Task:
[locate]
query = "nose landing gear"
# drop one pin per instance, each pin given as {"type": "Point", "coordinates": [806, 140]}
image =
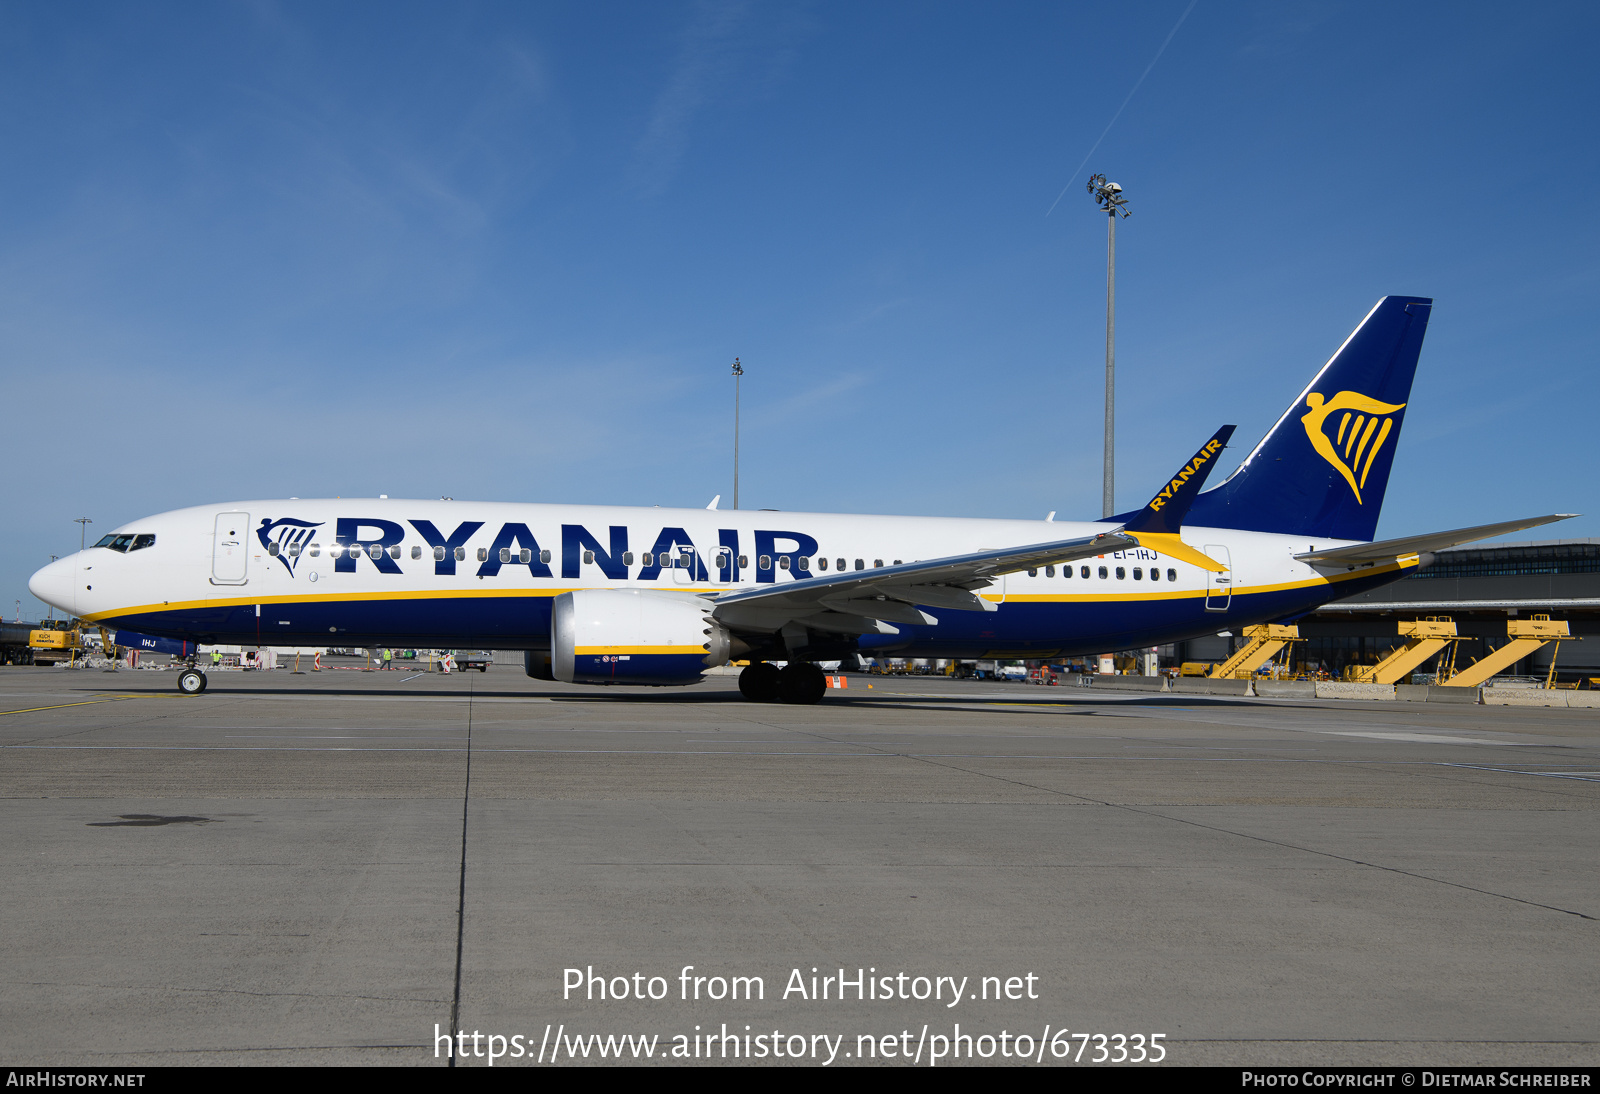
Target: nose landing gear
{"type": "Point", "coordinates": [191, 681]}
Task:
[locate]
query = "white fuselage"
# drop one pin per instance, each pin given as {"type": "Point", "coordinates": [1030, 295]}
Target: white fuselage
{"type": "Point", "coordinates": [296, 571]}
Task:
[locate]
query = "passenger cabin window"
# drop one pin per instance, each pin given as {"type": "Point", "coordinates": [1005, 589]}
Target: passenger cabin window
{"type": "Point", "coordinates": [1121, 573]}
{"type": "Point", "coordinates": [505, 554]}
{"type": "Point", "coordinates": [1155, 574]}
{"type": "Point", "coordinates": [627, 558]}
{"type": "Point", "coordinates": [316, 550]}
{"type": "Point", "coordinates": [648, 559]}
{"type": "Point", "coordinates": [1083, 571]}
{"type": "Point", "coordinates": [1103, 573]}
{"type": "Point", "coordinates": [394, 552]}
{"type": "Point", "coordinates": [877, 564]}
{"type": "Point", "coordinates": [1138, 574]}
{"type": "Point", "coordinates": [765, 562]}
{"type": "Point", "coordinates": [294, 550]}
{"type": "Point", "coordinates": [783, 562]}
{"type": "Point", "coordinates": [1049, 571]}
{"type": "Point", "coordinates": [1172, 575]}
{"type": "Point", "coordinates": [461, 554]}
{"type": "Point", "coordinates": [744, 562]}
{"type": "Point", "coordinates": [544, 556]}
{"type": "Point", "coordinates": [1033, 573]}
{"type": "Point", "coordinates": [525, 556]}
{"type": "Point", "coordinates": [822, 564]}
{"type": "Point", "coordinates": [438, 554]}
{"type": "Point", "coordinates": [272, 549]}
{"type": "Point", "coordinates": [802, 563]}
{"type": "Point", "coordinates": [588, 558]}
{"type": "Point", "coordinates": [861, 564]}
{"type": "Point", "coordinates": [416, 552]}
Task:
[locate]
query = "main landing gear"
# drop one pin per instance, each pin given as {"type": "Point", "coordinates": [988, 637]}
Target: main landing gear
{"type": "Point", "coordinates": [798, 682]}
{"type": "Point", "coordinates": [191, 681]}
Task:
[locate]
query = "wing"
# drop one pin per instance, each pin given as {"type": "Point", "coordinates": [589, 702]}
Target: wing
{"type": "Point", "coordinates": [1385, 549]}
{"type": "Point", "coordinates": [860, 601]}
{"type": "Point", "coordinates": [867, 601]}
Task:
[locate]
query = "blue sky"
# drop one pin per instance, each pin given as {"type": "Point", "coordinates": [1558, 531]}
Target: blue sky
{"type": "Point", "coordinates": [508, 251]}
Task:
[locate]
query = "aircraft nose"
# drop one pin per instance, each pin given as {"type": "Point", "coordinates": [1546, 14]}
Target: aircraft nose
{"type": "Point", "coordinates": [56, 584]}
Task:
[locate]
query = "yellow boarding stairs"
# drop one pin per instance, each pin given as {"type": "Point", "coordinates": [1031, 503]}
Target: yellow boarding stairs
{"type": "Point", "coordinates": [1265, 642]}
{"type": "Point", "coordinates": [1527, 635]}
{"type": "Point", "coordinates": [1425, 638]}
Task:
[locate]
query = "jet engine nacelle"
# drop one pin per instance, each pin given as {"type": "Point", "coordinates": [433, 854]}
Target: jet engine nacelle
{"type": "Point", "coordinates": [623, 636]}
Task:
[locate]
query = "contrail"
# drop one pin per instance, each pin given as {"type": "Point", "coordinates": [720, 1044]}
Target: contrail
{"type": "Point", "coordinates": [1124, 105]}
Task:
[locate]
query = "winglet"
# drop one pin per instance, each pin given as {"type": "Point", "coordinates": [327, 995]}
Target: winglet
{"type": "Point", "coordinates": [1157, 525]}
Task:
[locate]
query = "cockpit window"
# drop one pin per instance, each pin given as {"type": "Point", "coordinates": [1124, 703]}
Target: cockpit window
{"type": "Point", "coordinates": [126, 541]}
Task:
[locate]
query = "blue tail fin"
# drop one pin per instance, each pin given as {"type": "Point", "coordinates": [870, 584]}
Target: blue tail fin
{"type": "Point", "coordinates": [1322, 469]}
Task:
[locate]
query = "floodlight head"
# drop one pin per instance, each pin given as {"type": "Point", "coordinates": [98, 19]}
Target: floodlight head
{"type": "Point", "coordinates": [1108, 195]}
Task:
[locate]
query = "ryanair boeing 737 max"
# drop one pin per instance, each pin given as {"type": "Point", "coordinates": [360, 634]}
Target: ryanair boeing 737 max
{"type": "Point", "coordinates": [603, 595]}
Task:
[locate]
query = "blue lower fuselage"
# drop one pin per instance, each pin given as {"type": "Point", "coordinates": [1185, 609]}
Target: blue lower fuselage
{"type": "Point", "coordinates": [1021, 628]}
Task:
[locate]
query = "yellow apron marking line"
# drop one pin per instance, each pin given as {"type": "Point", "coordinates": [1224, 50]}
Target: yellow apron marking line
{"type": "Point", "coordinates": [85, 703]}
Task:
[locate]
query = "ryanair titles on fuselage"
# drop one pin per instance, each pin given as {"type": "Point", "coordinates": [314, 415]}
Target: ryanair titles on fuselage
{"type": "Point", "coordinates": [379, 540]}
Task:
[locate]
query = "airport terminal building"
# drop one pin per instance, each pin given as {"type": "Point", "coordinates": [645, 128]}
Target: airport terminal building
{"type": "Point", "coordinates": [1481, 588]}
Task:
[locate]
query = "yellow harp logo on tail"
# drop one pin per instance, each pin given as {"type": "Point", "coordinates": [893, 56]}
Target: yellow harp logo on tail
{"type": "Point", "coordinates": [1363, 427]}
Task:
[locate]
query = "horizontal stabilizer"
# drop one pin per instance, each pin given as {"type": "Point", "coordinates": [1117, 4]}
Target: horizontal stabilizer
{"type": "Point", "coordinates": [1386, 549]}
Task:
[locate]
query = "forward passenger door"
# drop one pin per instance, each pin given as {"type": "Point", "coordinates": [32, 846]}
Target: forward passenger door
{"type": "Point", "coordinates": [230, 551]}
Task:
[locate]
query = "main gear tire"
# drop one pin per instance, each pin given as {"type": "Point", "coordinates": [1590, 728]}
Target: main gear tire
{"type": "Point", "coordinates": [759, 682]}
{"type": "Point", "coordinates": [801, 683]}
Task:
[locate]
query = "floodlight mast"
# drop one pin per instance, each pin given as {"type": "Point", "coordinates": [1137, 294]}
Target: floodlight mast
{"type": "Point", "coordinates": [738, 371]}
{"type": "Point", "coordinates": [1108, 195]}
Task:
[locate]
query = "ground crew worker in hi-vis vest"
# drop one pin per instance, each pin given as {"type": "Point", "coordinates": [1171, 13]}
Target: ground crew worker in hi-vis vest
{"type": "Point", "coordinates": [387, 656]}
{"type": "Point", "coordinates": [216, 658]}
